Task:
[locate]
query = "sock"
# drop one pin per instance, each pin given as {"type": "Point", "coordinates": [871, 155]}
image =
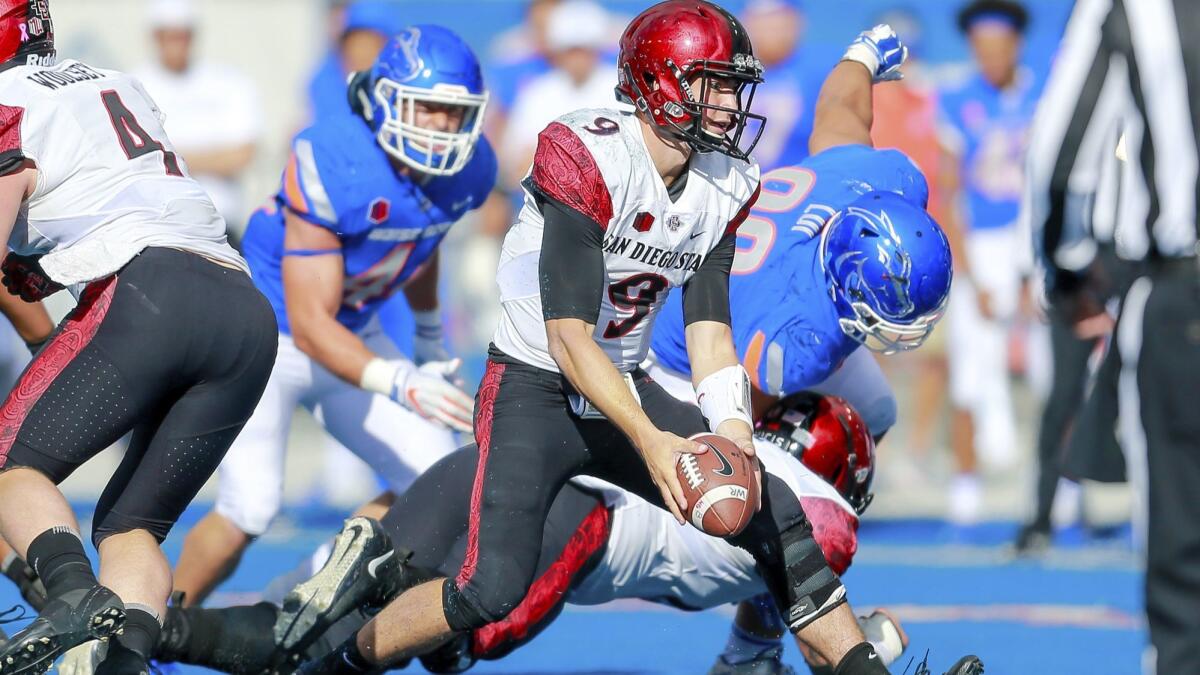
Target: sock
{"type": "Point", "coordinates": [141, 630]}
{"type": "Point", "coordinates": [345, 659]}
{"type": "Point", "coordinates": [821, 670]}
{"type": "Point", "coordinates": [231, 639]}
{"type": "Point", "coordinates": [58, 557]}
{"type": "Point", "coordinates": [861, 660]}
{"type": "Point", "coordinates": [743, 647]}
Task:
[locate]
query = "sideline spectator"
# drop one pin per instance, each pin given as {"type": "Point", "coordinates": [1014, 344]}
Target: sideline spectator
{"type": "Point", "coordinates": [213, 112]}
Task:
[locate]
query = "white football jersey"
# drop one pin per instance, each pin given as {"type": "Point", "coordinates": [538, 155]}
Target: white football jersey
{"type": "Point", "coordinates": [596, 161]}
{"type": "Point", "coordinates": [652, 557]}
{"type": "Point", "coordinates": [109, 183]}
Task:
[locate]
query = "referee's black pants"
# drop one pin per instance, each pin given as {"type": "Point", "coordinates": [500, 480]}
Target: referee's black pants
{"type": "Point", "coordinates": [1159, 339]}
{"type": "Point", "coordinates": [1070, 363]}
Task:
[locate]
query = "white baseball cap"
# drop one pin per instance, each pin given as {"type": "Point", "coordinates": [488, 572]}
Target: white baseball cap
{"type": "Point", "coordinates": [577, 24]}
{"type": "Point", "coordinates": [171, 14]}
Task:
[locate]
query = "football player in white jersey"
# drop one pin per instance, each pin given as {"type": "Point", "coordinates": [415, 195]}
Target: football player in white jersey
{"type": "Point", "coordinates": [620, 208]}
{"type": "Point", "coordinates": [601, 543]}
{"type": "Point", "coordinates": [169, 340]}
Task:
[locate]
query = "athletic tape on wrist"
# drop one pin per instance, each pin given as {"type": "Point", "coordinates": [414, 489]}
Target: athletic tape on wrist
{"type": "Point", "coordinates": [380, 376]}
{"type": "Point", "coordinates": [725, 395]}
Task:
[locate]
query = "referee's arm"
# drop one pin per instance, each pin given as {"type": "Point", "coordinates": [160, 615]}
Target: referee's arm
{"type": "Point", "coordinates": [1082, 101]}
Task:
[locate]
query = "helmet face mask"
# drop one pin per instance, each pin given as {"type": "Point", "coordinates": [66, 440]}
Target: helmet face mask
{"type": "Point", "coordinates": [430, 151]}
{"type": "Point", "coordinates": [888, 267]}
{"type": "Point", "coordinates": [676, 57]}
{"type": "Point", "coordinates": [426, 67]}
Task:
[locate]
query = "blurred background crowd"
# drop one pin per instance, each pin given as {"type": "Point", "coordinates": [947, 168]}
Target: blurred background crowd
{"type": "Point", "coordinates": [979, 404]}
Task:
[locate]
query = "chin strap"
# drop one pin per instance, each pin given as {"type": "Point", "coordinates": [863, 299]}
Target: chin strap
{"type": "Point", "coordinates": [356, 93]}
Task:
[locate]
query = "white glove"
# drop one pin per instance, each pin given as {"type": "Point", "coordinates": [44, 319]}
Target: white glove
{"type": "Point", "coordinates": [428, 344]}
{"type": "Point", "coordinates": [428, 390]}
{"type": "Point", "coordinates": [83, 659]}
{"type": "Point", "coordinates": [885, 635]}
{"type": "Point", "coordinates": [881, 51]}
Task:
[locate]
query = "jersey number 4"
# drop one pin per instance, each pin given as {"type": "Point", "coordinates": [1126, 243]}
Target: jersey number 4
{"type": "Point", "coordinates": [133, 138]}
{"type": "Point", "coordinates": [636, 293]}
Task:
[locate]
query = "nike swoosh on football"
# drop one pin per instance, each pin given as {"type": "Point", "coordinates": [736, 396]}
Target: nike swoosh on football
{"type": "Point", "coordinates": [726, 468]}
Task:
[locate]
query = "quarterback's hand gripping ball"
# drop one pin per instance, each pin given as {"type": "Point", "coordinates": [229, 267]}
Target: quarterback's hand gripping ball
{"type": "Point", "coordinates": [720, 486]}
{"type": "Point", "coordinates": [881, 51]}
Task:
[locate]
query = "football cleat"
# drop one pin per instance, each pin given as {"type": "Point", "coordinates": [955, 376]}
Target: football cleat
{"type": "Point", "coordinates": [769, 662]}
{"type": "Point", "coordinates": [83, 659]}
{"type": "Point", "coordinates": [360, 572]}
{"type": "Point", "coordinates": [1033, 540]}
{"type": "Point", "coordinates": [94, 613]}
{"type": "Point", "coordinates": [123, 661]}
{"type": "Point", "coordinates": [967, 665]}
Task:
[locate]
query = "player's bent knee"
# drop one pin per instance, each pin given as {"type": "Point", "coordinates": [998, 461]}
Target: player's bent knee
{"type": "Point", "coordinates": [467, 609]}
{"type": "Point", "coordinates": [252, 519]}
{"type": "Point", "coordinates": [812, 588]}
{"type": "Point", "coordinates": [53, 469]}
{"type": "Point", "coordinates": [116, 523]}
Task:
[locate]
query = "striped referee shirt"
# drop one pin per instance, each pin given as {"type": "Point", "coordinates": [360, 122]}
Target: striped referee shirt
{"type": "Point", "coordinates": [1124, 67]}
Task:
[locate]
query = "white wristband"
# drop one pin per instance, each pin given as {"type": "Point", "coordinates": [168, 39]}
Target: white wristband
{"type": "Point", "coordinates": [725, 395]}
{"type": "Point", "coordinates": [380, 376]}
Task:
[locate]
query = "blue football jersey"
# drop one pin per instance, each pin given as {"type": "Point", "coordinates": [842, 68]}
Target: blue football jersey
{"type": "Point", "coordinates": [785, 326]}
{"type": "Point", "coordinates": [989, 128]}
{"type": "Point", "coordinates": [337, 177]}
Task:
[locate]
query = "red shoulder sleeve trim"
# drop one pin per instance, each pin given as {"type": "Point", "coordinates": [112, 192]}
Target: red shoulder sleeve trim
{"type": "Point", "coordinates": [564, 169]}
{"type": "Point", "coordinates": [745, 211]}
{"type": "Point", "coordinates": [10, 128]}
{"type": "Point", "coordinates": [834, 529]}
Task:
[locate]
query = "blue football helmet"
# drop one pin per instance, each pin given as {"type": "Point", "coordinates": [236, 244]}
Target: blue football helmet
{"type": "Point", "coordinates": [426, 64]}
{"type": "Point", "coordinates": [888, 267]}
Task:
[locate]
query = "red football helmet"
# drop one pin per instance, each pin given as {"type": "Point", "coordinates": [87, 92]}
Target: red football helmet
{"type": "Point", "coordinates": [828, 436]}
{"type": "Point", "coordinates": [25, 32]}
{"type": "Point", "coordinates": [674, 46]}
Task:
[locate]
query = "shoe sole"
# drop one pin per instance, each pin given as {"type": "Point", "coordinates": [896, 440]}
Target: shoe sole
{"type": "Point", "coordinates": [315, 604]}
{"type": "Point", "coordinates": [34, 655]}
{"type": "Point", "coordinates": [967, 665]}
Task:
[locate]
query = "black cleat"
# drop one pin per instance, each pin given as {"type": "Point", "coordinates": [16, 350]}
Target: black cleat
{"type": "Point", "coordinates": [967, 665]}
{"type": "Point", "coordinates": [1033, 540]}
{"type": "Point", "coordinates": [453, 657]}
{"type": "Point", "coordinates": [94, 613]}
{"type": "Point", "coordinates": [362, 572]}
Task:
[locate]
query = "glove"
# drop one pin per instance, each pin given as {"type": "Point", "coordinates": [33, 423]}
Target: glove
{"type": "Point", "coordinates": [885, 635]}
{"type": "Point", "coordinates": [24, 277]}
{"type": "Point", "coordinates": [427, 341]}
{"type": "Point", "coordinates": [427, 390]}
{"type": "Point", "coordinates": [881, 51]}
{"type": "Point", "coordinates": [430, 392]}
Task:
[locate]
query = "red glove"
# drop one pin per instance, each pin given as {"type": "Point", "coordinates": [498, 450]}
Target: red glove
{"type": "Point", "coordinates": [24, 277]}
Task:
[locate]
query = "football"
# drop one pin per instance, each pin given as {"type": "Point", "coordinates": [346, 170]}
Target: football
{"type": "Point", "coordinates": [719, 485]}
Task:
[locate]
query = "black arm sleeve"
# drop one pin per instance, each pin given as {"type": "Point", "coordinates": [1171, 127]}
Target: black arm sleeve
{"type": "Point", "coordinates": [571, 266]}
{"type": "Point", "coordinates": [706, 294]}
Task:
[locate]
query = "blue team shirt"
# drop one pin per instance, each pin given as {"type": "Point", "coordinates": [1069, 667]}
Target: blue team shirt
{"type": "Point", "coordinates": [989, 129]}
{"type": "Point", "coordinates": [785, 326]}
{"type": "Point", "coordinates": [389, 224]}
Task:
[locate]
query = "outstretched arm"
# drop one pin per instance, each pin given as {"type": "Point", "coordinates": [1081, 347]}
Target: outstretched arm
{"type": "Point", "coordinates": [843, 115]}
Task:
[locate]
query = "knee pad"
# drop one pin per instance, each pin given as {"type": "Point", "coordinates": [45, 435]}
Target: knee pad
{"type": "Point", "coordinates": [811, 589]}
{"type": "Point", "coordinates": [465, 610]}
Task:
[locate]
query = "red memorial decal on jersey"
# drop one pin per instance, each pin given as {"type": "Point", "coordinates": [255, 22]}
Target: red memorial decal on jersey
{"type": "Point", "coordinates": [565, 170]}
{"type": "Point", "coordinates": [75, 333]}
{"type": "Point", "coordinates": [488, 389]}
{"type": "Point", "coordinates": [379, 210]}
{"type": "Point", "coordinates": [548, 589]}
{"type": "Point", "coordinates": [834, 530]}
{"type": "Point", "coordinates": [643, 222]}
{"type": "Point", "coordinates": [745, 211]}
{"type": "Point", "coordinates": [10, 128]}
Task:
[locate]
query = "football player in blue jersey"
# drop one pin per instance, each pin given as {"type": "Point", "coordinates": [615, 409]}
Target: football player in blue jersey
{"type": "Point", "coordinates": [365, 200]}
{"type": "Point", "coordinates": [838, 259]}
